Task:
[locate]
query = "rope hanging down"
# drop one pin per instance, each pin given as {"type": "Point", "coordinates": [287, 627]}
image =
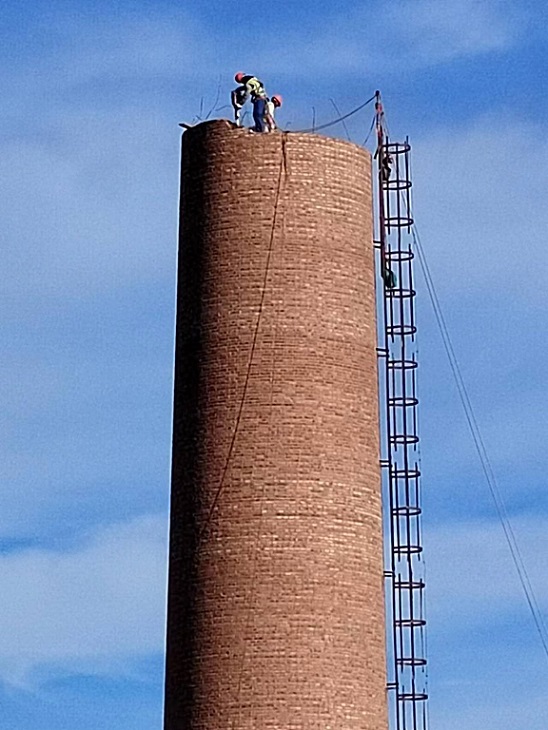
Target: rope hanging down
{"type": "Point", "coordinates": [481, 450]}
{"type": "Point", "coordinates": [477, 437]}
{"type": "Point", "coordinates": [283, 167]}
{"type": "Point", "coordinates": [340, 119]}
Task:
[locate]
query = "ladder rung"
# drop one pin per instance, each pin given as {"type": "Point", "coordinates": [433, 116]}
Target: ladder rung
{"type": "Point", "coordinates": [412, 696]}
{"type": "Point", "coordinates": [410, 623]}
{"type": "Point", "coordinates": [411, 661]}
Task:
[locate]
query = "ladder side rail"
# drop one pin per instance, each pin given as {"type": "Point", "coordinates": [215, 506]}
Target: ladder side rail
{"type": "Point", "coordinates": [387, 414]}
{"type": "Point", "coordinates": [403, 439]}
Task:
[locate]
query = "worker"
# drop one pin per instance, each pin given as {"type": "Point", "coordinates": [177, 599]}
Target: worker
{"type": "Point", "coordinates": [250, 87]}
{"type": "Point", "coordinates": [386, 166]}
{"type": "Point", "coordinates": [389, 277]}
{"type": "Point", "coordinates": [238, 98]}
{"type": "Point", "coordinates": [272, 104]}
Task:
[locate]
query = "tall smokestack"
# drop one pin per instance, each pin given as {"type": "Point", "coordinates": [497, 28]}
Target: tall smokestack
{"type": "Point", "coordinates": [276, 605]}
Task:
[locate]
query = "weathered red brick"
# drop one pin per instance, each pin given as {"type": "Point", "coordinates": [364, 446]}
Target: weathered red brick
{"type": "Point", "coordinates": [276, 614]}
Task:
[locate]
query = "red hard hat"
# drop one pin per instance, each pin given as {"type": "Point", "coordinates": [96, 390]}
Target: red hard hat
{"type": "Point", "coordinates": [277, 100]}
{"type": "Point", "coordinates": [239, 77]}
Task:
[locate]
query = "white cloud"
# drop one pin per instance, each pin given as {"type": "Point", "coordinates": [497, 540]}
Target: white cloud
{"type": "Point", "coordinates": [92, 215]}
{"type": "Point", "coordinates": [400, 34]}
{"type": "Point", "coordinates": [480, 205]}
{"type": "Point", "coordinates": [81, 48]}
{"type": "Point", "coordinates": [377, 37]}
{"type": "Point", "coordinates": [99, 607]}
{"type": "Point", "coordinates": [479, 193]}
{"type": "Point", "coordinates": [437, 31]}
{"type": "Point", "coordinates": [487, 664]}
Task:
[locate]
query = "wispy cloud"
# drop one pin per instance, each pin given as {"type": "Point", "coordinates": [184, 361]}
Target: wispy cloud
{"type": "Point", "coordinates": [479, 208]}
{"type": "Point", "coordinates": [74, 218]}
{"type": "Point", "coordinates": [401, 35]}
{"type": "Point", "coordinates": [86, 421]}
{"type": "Point", "coordinates": [487, 664]}
{"type": "Point", "coordinates": [435, 32]}
{"type": "Point", "coordinates": [98, 607]}
{"type": "Point", "coordinates": [81, 48]}
{"type": "Point", "coordinates": [480, 190]}
{"type": "Point", "coordinates": [367, 37]}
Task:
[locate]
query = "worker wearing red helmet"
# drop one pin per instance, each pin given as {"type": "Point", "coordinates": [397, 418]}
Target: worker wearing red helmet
{"type": "Point", "coordinates": [272, 104]}
{"type": "Point", "coordinates": [250, 88]}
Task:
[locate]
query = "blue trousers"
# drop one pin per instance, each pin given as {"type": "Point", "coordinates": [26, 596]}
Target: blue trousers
{"type": "Point", "coordinates": [259, 109]}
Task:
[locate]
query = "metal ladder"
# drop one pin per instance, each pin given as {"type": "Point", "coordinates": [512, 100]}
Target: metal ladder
{"type": "Point", "coordinates": [401, 463]}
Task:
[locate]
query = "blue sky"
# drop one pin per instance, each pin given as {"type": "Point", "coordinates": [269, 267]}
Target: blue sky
{"type": "Point", "coordinates": [89, 153]}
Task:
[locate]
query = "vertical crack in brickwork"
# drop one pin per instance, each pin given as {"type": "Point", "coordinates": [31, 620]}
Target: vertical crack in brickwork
{"type": "Point", "coordinates": [211, 511]}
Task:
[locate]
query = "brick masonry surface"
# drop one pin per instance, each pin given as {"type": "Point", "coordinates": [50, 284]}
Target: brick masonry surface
{"type": "Point", "coordinates": [276, 609]}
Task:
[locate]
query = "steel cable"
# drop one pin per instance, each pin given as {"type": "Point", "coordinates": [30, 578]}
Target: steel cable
{"type": "Point", "coordinates": [252, 350]}
{"type": "Point", "coordinates": [336, 121]}
{"type": "Point", "coordinates": [481, 449]}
